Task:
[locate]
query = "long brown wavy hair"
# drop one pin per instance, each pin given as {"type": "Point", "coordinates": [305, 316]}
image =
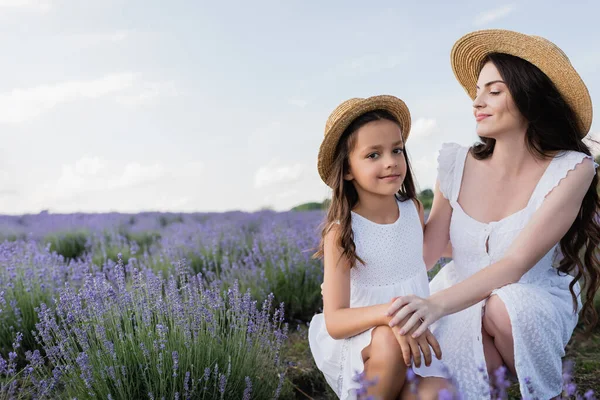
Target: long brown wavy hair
{"type": "Point", "coordinates": [344, 195]}
{"type": "Point", "coordinates": [553, 128]}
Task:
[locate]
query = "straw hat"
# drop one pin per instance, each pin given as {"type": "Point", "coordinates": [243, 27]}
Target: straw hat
{"type": "Point", "coordinates": [347, 112]}
{"type": "Point", "coordinates": [470, 50]}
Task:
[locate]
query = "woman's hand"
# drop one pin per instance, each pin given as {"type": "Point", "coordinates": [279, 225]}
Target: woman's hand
{"type": "Point", "coordinates": [416, 309]}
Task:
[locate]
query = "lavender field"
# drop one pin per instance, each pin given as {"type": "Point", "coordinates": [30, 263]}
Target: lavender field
{"type": "Point", "coordinates": [173, 306]}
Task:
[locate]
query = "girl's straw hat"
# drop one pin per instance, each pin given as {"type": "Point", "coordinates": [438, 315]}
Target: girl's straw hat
{"type": "Point", "coordinates": [470, 50]}
{"type": "Point", "coordinates": [347, 112]}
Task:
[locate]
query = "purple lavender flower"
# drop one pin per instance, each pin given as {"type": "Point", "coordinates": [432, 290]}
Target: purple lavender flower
{"type": "Point", "coordinates": [222, 383]}
{"type": "Point", "coordinates": [86, 370]}
{"type": "Point", "coordinates": [364, 385]}
{"type": "Point", "coordinates": [175, 356]}
{"type": "Point", "coordinates": [445, 394]}
{"type": "Point", "coordinates": [248, 389]}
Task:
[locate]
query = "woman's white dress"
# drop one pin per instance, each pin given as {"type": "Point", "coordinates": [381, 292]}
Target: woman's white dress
{"type": "Point", "coordinates": [540, 305]}
{"type": "Point", "coordinates": [394, 266]}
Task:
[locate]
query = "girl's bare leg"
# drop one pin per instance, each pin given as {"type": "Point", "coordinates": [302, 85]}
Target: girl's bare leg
{"type": "Point", "coordinates": [427, 389]}
{"type": "Point", "coordinates": [383, 361]}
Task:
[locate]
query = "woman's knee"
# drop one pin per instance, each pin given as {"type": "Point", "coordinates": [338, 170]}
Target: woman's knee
{"type": "Point", "coordinates": [496, 320]}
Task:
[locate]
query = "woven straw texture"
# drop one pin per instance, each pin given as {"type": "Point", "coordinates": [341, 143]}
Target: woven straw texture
{"type": "Point", "coordinates": [469, 52]}
{"type": "Point", "coordinates": [347, 112]}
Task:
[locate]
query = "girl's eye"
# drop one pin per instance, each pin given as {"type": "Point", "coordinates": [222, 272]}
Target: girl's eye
{"type": "Point", "coordinates": [399, 151]}
{"type": "Point", "coordinates": [373, 156]}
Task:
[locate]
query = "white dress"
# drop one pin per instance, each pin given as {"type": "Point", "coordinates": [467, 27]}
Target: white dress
{"type": "Point", "coordinates": [393, 254]}
{"type": "Point", "coordinates": [539, 305]}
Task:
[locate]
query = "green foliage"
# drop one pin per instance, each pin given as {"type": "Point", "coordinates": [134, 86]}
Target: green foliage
{"type": "Point", "coordinates": [22, 297]}
{"type": "Point", "coordinates": [167, 219]}
{"type": "Point", "coordinates": [426, 198]}
{"type": "Point", "coordinates": [308, 206]}
{"type": "Point", "coordinates": [70, 245]}
{"type": "Point", "coordinates": [143, 344]}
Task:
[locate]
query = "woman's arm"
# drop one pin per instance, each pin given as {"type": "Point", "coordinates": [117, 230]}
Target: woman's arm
{"type": "Point", "coordinates": [341, 320]}
{"type": "Point", "coordinates": [437, 229]}
{"type": "Point", "coordinates": [546, 228]}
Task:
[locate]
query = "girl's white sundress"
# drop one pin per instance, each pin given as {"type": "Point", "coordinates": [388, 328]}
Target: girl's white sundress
{"type": "Point", "coordinates": [394, 266]}
{"type": "Point", "coordinates": [539, 305]}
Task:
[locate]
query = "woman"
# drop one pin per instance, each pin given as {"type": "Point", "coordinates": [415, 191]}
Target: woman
{"type": "Point", "coordinates": [520, 211]}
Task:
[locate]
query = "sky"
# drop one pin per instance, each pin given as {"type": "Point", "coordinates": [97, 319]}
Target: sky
{"type": "Point", "coordinates": [147, 105]}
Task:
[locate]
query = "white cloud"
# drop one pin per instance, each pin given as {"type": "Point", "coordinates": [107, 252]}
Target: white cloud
{"type": "Point", "coordinates": [32, 5]}
{"type": "Point", "coordinates": [93, 183]}
{"type": "Point", "coordinates": [93, 39]}
{"type": "Point", "coordinates": [281, 195]}
{"type": "Point", "coordinates": [20, 105]}
{"type": "Point", "coordinates": [148, 93]}
{"type": "Point", "coordinates": [425, 170]}
{"type": "Point", "coordinates": [493, 15]}
{"type": "Point", "coordinates": [423, 127]}
{"type": "Point", "coordinates": [298, 102]}
{"type": "Point", "coordinates": [367, 64]}
{"type": "Point", "coordinates": [275, 173]}
{"type": "Point", "coordinates": [93, 173]}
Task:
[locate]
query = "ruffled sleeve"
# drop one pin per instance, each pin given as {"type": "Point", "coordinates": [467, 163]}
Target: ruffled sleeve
{"type": "Point", "coordinates": [559, 170]}
{"type": "Point", "coordinates": [446, 166]}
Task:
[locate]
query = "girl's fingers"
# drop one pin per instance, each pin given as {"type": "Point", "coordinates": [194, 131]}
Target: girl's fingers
{"type": "Point", "coordinates": [416, 352]}
{"type": "Point", "coordinates": [424, 345]}
{"type": "Point", "coordinates": [404, 347]}
{"type": "Point", "coordinates": [435, 345]}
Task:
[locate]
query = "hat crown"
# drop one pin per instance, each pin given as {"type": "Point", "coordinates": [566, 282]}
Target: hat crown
{"type": "Point", "coordinates": [344, 115]}
{"type": "Point", "coordinates": [339, 112]}
{"type": "Point", "coordinates": [553, 46]}
{"type": "Point", "coordinates": [469, 52]}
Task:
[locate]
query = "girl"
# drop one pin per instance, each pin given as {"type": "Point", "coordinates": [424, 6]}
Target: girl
{"type": "Point", "coordinates": [521, 211]}
{"type": "Point", "coordinates": [372, 249]}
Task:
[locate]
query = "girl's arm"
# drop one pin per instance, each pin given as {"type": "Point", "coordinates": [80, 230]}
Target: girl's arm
{"type": "Point", "coordinates": [436, 237]}
{"type": "Point", "coordinates": [341, 320]}
{"type": "Point", "coordinates": [546, 228]}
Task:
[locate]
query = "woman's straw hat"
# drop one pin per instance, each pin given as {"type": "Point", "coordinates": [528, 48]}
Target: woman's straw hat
{"type": "Point", "coordinates": [347, 112]}
{"type": "Point", "coordinates": [470, 50]}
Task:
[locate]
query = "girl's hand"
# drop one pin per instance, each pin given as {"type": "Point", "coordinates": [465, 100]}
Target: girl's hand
{"type": "Point", "coordinates": [427, 311]}
{"type": "Point", "coordinates": [412, 347]}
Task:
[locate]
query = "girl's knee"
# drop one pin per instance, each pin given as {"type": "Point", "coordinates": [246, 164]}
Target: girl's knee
{"type": "Point", "coordinates": [496, 320]}
{"type": "Point", "coordinates": [384, 344]}
{"type": "Point", "coordinates": [430, 388]}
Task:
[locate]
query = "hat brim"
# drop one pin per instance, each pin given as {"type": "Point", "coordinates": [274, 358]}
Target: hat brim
{"type": "Point", "coordinates": [470, 51]}
{"type": "Point", "coordinates": [348, 112]}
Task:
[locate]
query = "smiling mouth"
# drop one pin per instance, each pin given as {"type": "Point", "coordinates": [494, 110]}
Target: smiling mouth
{"type": "Point", "coordinates": [481, 117]}
{"type": "Point", "coordinates": [390, 177]}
